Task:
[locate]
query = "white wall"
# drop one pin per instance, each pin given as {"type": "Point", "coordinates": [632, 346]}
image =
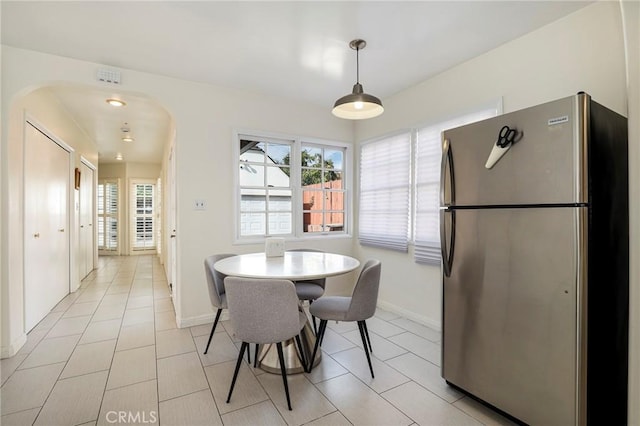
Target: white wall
{"type": "Point", "coordinates": [42, 106]}
{"type": "Point", "coordinates": [631, 21]}
{"type": "Point", "coordinates": [204, 117]}
{"type": "Point", "coordinates": [583, 51]}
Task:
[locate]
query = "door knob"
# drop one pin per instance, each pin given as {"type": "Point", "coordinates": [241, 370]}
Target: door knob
{"type": "Point", "coordinates": [36, 235]}
{"type": "Point", "coordinates": [61, 230]}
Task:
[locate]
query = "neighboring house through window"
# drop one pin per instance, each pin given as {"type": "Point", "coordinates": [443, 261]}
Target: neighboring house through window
{"type": "Point", "coordinates": [281, 197]}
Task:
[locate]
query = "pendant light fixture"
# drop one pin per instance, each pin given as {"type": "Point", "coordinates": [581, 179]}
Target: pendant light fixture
{"type": "Point", "coordinates": [357, 105]}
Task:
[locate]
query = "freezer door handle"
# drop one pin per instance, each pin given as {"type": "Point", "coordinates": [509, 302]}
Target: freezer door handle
{"type": "Point", "coordinates": [447, 165]}
{"type": "Point", "coordinates": [447, 254]}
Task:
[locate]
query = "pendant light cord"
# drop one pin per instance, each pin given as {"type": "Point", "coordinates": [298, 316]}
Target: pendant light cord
{"type": "Point", "coordinates": [357, 64]}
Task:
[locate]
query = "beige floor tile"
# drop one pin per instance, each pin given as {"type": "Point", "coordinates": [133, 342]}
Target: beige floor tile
{"type": "Point", "coordinates": [307, 402]}
{"type": "Point", "coordinates": [246, 392]}
{"type": "Point", "coordinates": [355, 360]}
{"type": "Point", "coordinates": [81, 309]}
{"type": "Point", "coordinates": [118, 288]}
{"type": "Point", "coordinates": [264, 414]}
{"type": "Point", "coordinates": [425, 374]}
{"type": "Point", "coordinates": [195, 409]}
{"type": "Point", "coordinates": [74, 401]}
{"type": "Point", "coordinates": [9, 365]}
{"type": "Point", "coordinates": [51, 351]}
{"type": "Point", "coordinates": [163, 305]}
{"type": "Point", "coordinates": [419, 329]}
{"type": "Point", "coordinates": [382, 348]}
{"type": "Point", "coordinates": [29, 388]}
{"type": "Point", "coordinates": [386, 315]}
{"type": "Point", "coordinates": [109, 312]}
{"type": "Point", "coordinates": [205, 330]}
{"type": "Point", "coordinates": [132, 366]}
{"type": "Point", "coordinates": [90, 358]}
{"type": "Point", "coordinates": [101, 330]}
{"type": "Point", "coordinates": [161, 292]}
{"type": "Point", "coordinates": [92, 294]}
{"type": "Point", "coordinates": [21, 418]}
{"type": "Point", "coordinates": [422, 347]}
{"type": "Point", "coordinates": [383, 328]}
{"type": "Point", "coordinates": [221, 349]}
{"type": "Point", "coordinates": [137, 404]}
{"type": "Point", "coordinates": [136, 336]}
{"type": "Point", "coordinates": [180, 375]}
{"type": "Point", "coordinates": [174, 342]}
{"type": "Point", "coordinates": [327, 369]}
{"type": "Point", "coordinates": [342, 326]}
{"type": "Point", "coordinates": [137, 316]}
{"type": "Point", "coordinates": [482, 413]}
{"type": "Point", "coordinates": [138, 291]}
{"type": "Point", "coordinates": [69, 326]}
{"type": "Point", "coordinates": [115, 299]}
{"type": "Point", "coordinates": [50, 319]}
{"type": "Point", "coordinates": [359, 404]}
{"type": "Point", "coordinates": [333, 419]}
{"type": "Point", "coordinates": [334, 342]}
{"type": "Point", "coordinates": [139, 302]}
{"type": "Point", "coordinates": [165, 320]}
{"type": "Point", "coordinates": [33, 338]}
{"type": "Point", "coordinates": [64, 304]}
{"type": "Point", "coordinates": [425, 408]}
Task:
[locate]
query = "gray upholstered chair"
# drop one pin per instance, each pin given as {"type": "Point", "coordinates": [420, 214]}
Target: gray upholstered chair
{"type": "Point", "coordinates": [264, 311]}
{"type": "Point", "coordinates": [360, 306]}
{"type": "Point", "coordinates": [310, 289]}
{"type": "Point", "coordinates": [215, 282]}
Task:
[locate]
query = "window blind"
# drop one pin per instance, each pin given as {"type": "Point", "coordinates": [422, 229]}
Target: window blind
{"type": "Point", "coordinates": [384, 192]}
{"type": "Point", "coordinates": [427, 186]}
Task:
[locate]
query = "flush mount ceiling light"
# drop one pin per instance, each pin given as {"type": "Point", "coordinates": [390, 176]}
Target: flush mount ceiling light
{"type": "Point", "coordinates": [126, 136]}
{"type": "Point", "coordinates": [119, 157]}
{"type": "Point", "coordinates": [116, 102]}
{"type": "Point", "coordinates": [357, 105]}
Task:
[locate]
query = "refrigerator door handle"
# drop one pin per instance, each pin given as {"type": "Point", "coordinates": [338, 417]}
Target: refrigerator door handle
{"type": "Point", "coordinates": [447, 255]}
{"type": "Point", "coordinates": [447, 163]}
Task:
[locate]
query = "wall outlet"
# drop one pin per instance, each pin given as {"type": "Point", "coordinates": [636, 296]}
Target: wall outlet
{"type": "Point", "coordinates": [200, 204]}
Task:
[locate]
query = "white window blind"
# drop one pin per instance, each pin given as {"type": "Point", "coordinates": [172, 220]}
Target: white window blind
{"type": "Point", "coordinates": [108, 215]}
{"type": "Point", "coordinates": [384, 192]}
{"type": "Point", "coordinates": [142, 199]}
{"type": "Point", "coordinates": [427, 187]}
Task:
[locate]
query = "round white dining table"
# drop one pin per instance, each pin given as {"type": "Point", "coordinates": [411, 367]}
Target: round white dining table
{"type": "Point", "coordinates": [294, 266]}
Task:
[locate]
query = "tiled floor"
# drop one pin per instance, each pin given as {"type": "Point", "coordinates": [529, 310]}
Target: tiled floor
{"type": "Point", "coordinates": [111, 354]}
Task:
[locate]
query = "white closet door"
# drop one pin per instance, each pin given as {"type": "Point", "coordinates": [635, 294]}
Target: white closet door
{"type": "Point", "coordinates": [46, 225]}
{"type": "Point", "coordinates": [85, 261]}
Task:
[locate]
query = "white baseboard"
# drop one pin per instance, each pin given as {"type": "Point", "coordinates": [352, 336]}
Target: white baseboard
{"type": "Point", "coordinates": [436, 325]}
{"type": "Point", "coordinates": [14, 347]}
{"type": "Point", "coordinates": [201, 319]}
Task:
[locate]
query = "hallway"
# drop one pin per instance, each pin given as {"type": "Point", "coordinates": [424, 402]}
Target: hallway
{"type": "Point", "coordinates": [111, 354]}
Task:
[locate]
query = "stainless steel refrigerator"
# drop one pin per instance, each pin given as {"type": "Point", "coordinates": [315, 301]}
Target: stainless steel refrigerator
{"type": "Point", "coordinates": [534, 235]}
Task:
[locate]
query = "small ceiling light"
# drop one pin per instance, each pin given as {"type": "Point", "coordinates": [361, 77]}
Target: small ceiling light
{"type": "Point", "coordinates": [119, 157]}
{"type": "Point", "coordinates": [126, 136]}
{"type": "Point", "coordinates": [116, 102]}
{"type": "Point", "coordinates": [357, 105]}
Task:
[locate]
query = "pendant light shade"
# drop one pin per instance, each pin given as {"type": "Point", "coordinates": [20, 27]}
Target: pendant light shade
{"type": "Point", "coordinates": [357, 105]}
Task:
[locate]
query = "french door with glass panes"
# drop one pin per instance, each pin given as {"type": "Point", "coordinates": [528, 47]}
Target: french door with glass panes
{"type": "Point", "coordinates": [142, 232]}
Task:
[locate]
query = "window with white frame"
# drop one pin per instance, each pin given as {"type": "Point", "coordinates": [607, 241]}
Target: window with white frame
{"type": "Point", "coordinates": [279, 196]}
{"type": "Point", "coordinates": [398, 205]}
{"type": "Point", "coordinates": [143, 236]}
{"type": "Point", "coordinates": [426, 233]}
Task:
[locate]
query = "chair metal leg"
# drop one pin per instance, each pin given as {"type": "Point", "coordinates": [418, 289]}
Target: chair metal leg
{"type": "Point", "coordinates": [213, 329]}
{"type": "Point", "coordinates": [283, 369]}
{"type": "Point", "coordinates": [364, 344]}
{"type": "Point", "coordinates": [235, 373]}
{"type": "Point", "coordinates": [319, 336]}
{"type": "Point", "coordinates": [255, 356]}
{"type": "Point", "coordinates": [366, 333]}
{"type": "Point", "coordinates": [313, 319]}
{"type": "Point", "coordinates": [301, 352]}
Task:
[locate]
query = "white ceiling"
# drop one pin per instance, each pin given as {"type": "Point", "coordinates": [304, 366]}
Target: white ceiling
{"type": "Point", "coordinates": [293, 49]}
